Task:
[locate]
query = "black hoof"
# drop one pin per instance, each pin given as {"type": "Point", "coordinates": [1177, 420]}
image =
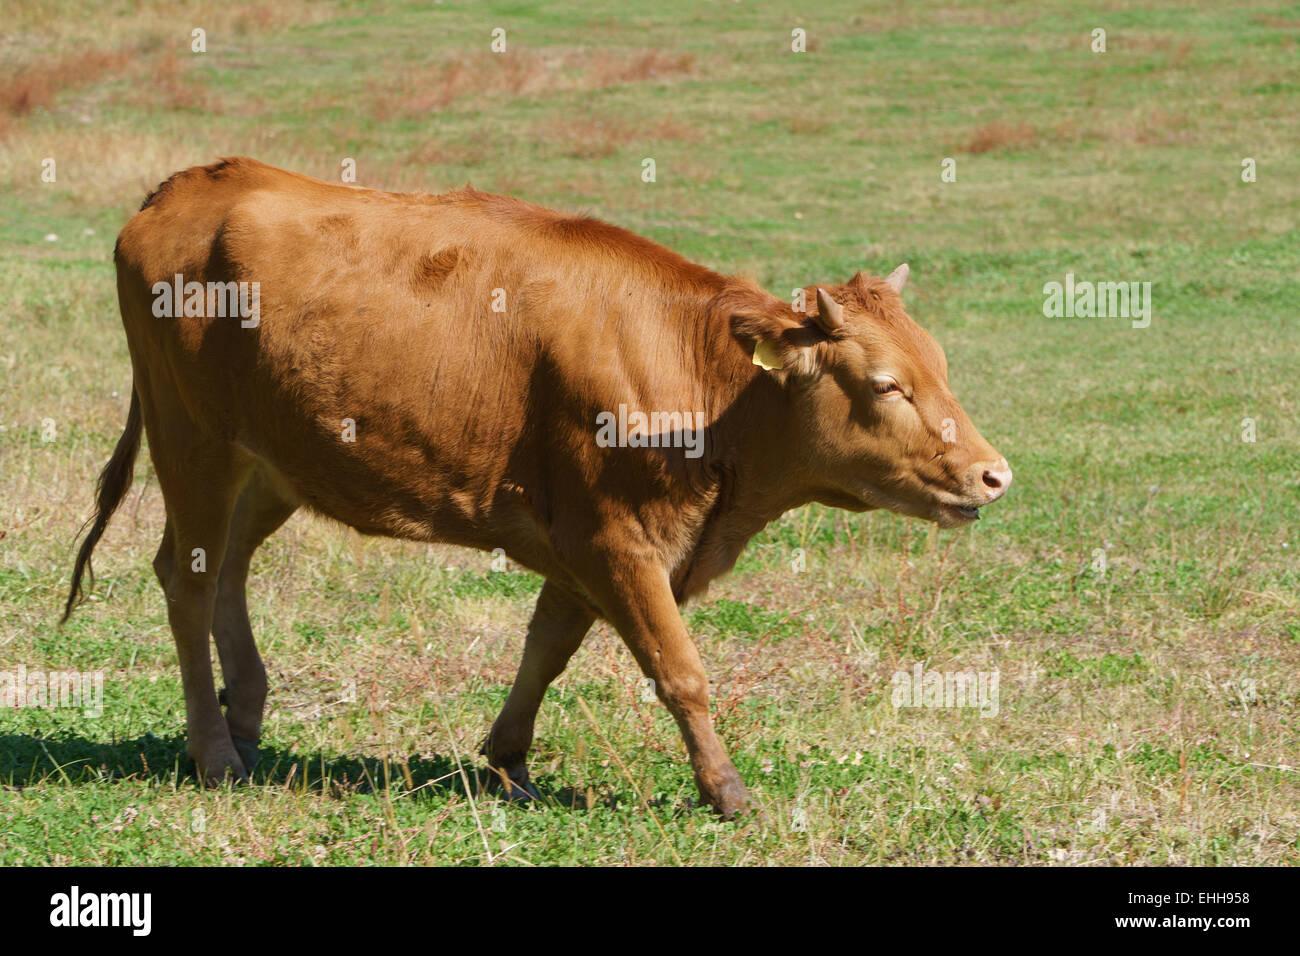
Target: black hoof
{"type": "Point", "coordinates": [520, 792]}
{"type": "Point", "coordinates": [248, 753]}
{"type": "Point", "coordinates": [511, 787]}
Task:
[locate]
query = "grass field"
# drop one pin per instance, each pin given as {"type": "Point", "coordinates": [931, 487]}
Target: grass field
{"type": "Point", "coordinates": [1136, 593]}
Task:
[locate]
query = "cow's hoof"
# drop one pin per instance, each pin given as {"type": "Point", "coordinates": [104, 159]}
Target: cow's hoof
{"type": "Point", "coordinates": [248, 752]}
{"type": "Point", "coordinates": [219, 766]}
{"type": "Point", "coordinates": [730, 799]}
{"type": "Point", "coordinates": [514, 786]}
{"type": "Point", "coordinates": [520, 792]}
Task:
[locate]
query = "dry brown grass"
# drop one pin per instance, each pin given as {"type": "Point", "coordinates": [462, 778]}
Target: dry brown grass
{"type": "Point", "coordinates": [36, 85]}
{"type": "Point", "coordinates": [175, 89]}
{"type": "Point", "coordinates": [597, 137]}
{"type": "Point", "coordinates": [1177, 49]}
{"type": "Point", "coordinates": [521, 73]}
{"type": "Point", "coordinates": [797, 124]}
{"type": "Point", "coordinates": [1278, 23]}
{"type": "Point", "coordinates": [1159, 128]}
{"type": "Point", "coordinates": [999, 136]}
{"type": "Point", "coordinates": [610, 67]}
{"type": "Point", "coordinates": [1155, 127]}
{"type": "Point", "coordinates": [802, 124]}
{"type": "Point", "coordinates": [1178, 56]}
{"type": "Point", "coordinates": [903, 17]}
{"type": "Point", "coordinates": [139, 41]}
{"type": "Point", "coordinates": [440, 153]}
{"type": "Point", "coordinates": [65, 23]}
{"type": "Point", "coordinates": [440, 164]}
{"type": "Point", "coordinates": [1135, 128]}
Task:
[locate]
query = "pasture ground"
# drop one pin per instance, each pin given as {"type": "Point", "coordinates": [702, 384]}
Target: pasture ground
{"type": "Point", "coordinates": [1136, 593]}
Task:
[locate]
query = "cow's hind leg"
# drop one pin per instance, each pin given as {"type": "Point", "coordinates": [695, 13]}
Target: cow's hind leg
{"type": "Point", "coordinates": [260, 510]}
{"type": "Point", "coordinates": [200, 479]}
{"type": "Point", "coordinates": [557, 628]}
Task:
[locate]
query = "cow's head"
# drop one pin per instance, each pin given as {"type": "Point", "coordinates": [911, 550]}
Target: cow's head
{"type": "Point", "coordinates": [869, 393]}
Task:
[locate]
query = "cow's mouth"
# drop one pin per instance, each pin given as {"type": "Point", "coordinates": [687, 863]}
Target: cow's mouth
{"type": "Point", "coordinates": [946, 514]}
{"type": "Point", "coordinates": [953, 515]}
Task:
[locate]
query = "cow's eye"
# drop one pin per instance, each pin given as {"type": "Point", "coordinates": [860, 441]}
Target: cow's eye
{"type": "Point", "coordinates": [886, 386]}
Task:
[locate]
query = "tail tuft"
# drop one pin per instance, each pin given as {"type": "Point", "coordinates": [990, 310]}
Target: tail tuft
{"type": "Point", "coordinates": [114, 482]}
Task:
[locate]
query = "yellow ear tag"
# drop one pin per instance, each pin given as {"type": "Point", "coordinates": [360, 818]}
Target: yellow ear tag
{"type": "Point", "coordinates": [766, 356]}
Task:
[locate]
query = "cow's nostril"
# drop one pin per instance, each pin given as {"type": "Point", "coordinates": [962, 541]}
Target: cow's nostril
{"type": "Point", "coordinates": [996, 479]}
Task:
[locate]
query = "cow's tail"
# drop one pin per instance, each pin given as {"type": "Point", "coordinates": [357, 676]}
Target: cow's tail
{"type": "Point", "coordinates": [114, 482]}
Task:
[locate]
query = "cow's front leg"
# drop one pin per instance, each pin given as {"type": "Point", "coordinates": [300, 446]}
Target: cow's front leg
{"type": "Point", "coordinates": [640, 604]}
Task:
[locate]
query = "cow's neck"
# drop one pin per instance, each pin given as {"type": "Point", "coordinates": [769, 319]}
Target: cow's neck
{"type": "Point", "coordinates": [752, 465]}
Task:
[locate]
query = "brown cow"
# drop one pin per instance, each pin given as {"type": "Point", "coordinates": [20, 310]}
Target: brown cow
{"type": "Point", "coordinates": [447, 368]}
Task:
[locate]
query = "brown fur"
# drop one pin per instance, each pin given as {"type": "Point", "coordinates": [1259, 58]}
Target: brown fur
{"type": "Point", "coordinates": [478, 427]}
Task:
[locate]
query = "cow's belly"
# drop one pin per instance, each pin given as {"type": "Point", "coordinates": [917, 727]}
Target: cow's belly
{"type": "Point", "coordinates": [380, 470]}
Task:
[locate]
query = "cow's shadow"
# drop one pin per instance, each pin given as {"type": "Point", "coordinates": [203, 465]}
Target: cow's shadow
{"type": "Point", "coordinates": [28, 760]}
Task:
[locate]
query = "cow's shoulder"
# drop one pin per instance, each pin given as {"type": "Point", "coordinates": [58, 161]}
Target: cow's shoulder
{"type": "Point", "coordinates": [223, 172]}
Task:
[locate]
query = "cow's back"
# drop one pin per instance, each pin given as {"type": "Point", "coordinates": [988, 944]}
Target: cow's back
{"type": "Point", "coordinates": [462, 340]}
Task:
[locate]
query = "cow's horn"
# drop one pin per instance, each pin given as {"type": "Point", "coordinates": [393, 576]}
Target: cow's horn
{"type": "Point", "coordinates": [898, 278]}
{"type": "Point", "coordinates": [830, 314]}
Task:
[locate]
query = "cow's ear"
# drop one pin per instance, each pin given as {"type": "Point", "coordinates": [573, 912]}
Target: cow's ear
{"type": "Point", "coordinates": [774, 335]}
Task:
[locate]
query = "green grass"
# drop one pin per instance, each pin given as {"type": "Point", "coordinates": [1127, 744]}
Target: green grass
{"type": "Point", "coordinates": [1148, 700]}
